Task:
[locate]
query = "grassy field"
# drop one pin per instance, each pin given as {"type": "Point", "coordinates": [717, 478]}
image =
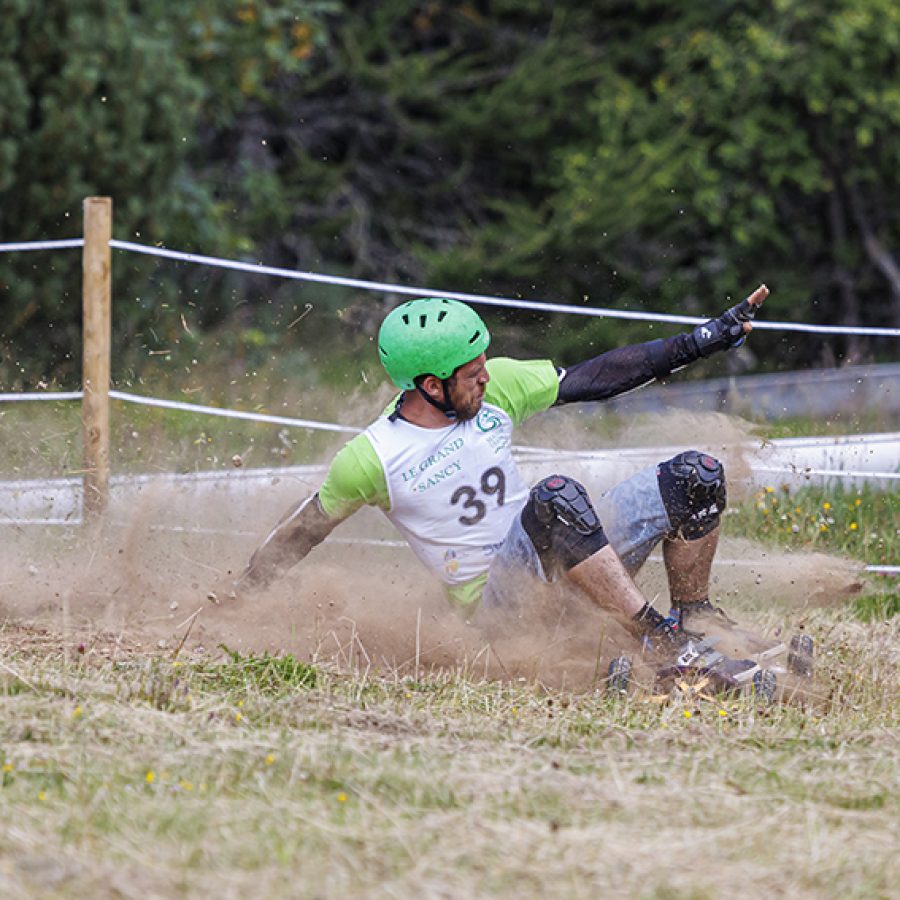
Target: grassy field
{"type": "Point", "coordinates": [860, 524]}
{"type": "Point", "coordinates": [127, 774]}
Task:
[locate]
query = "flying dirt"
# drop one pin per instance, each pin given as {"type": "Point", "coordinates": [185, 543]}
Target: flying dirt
{"type": "Point", "coordinates": [143, 577]}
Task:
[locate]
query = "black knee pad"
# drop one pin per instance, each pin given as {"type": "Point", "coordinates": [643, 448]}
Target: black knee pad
{"type": "Point", "coordinates": [562, 524]}
{"type": "Point", "coordinates": [692, 485]}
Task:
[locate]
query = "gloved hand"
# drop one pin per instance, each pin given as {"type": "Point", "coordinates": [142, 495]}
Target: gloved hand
{"type": "Point", "coordinates": [731, 328]}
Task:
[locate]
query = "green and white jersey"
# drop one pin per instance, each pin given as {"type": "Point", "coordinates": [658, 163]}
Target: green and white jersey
{"type": "Point", "coordinates": [451, 492]}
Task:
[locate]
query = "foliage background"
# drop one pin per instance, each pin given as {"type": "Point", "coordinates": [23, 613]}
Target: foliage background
{"type": "Point", "coordinates": [642, 155]}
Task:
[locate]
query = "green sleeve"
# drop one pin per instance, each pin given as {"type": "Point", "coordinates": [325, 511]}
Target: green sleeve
{"type": "Point", "coordinates": [522, 387]}
{"type": "Point", "coordinates": [355, 478]}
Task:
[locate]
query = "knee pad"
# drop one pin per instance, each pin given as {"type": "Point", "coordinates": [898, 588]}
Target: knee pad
{"type": "Point", "coordinates": [692, 486]}
{"type": "Point", "coordinates": [562, 524]}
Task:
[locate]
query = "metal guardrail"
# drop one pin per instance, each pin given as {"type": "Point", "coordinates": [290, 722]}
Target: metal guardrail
{"type": "Point", "coordinates": [815, 392]}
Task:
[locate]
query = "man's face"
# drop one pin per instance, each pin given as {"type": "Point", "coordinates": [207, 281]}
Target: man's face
{"type": "Point", "coordinates": [466, 386]}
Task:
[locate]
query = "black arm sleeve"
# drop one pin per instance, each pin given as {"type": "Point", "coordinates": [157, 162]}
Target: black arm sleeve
{"type": "Point", "coordinates": [626, 368]}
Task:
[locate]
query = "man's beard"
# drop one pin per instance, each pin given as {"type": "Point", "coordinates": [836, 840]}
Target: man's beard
{"type": "Point", "coordinates": [466, 411]}
{"type": "Point", "coordinates": [464, 415]}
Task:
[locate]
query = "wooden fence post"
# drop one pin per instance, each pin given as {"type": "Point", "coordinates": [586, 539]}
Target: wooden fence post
{"type": "Point", "coordinates": [96, 337]}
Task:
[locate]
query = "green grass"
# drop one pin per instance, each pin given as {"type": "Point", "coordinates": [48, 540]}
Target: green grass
{"type": "Point", "coordinates": [129, 772]}
{"type": "Point", "coordinates": [45, 439]}
{"type": "Point", "coordinates": [862, 421]}
{"type": "Point", "coordinates": [861, 524]}
{"type": "Point", "coordinates": [266, 776]}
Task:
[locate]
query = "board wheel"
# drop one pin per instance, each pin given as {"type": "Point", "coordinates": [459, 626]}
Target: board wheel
{"type": "Point", "coordinates": [765, 685]}
{"type": "Point", "coordinates": [618, 676]}
{"type": "Point", "coordinates": [800, 655]}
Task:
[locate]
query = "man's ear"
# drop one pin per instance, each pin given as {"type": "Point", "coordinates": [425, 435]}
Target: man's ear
{"type": "Point", "coordinates": [433, 386]}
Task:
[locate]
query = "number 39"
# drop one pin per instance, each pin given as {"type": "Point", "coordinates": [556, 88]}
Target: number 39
{"type": "Point", "coordinates": [493, 481]}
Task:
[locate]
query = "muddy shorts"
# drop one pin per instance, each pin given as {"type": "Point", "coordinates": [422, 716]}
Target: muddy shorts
{"type": "Point", "coordinates": [633, 517]}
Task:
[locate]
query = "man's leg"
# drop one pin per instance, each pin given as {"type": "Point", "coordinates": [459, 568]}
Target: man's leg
{"type": "Point", "coordinates": [692, 486]}
{"type": "Point", "coordinates": [559, 533]}
{"type": "Point", "coordinates": [606, 581]}
{"type": "Point", "coordinates": [679, 503]}
{"type": "Point", "coordinates": [688, 564]}
{"type": "Point", "coordinates": [568, 537]}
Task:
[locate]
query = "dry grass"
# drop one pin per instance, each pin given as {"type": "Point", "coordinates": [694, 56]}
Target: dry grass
{"type": "Point", "coordinates": [128, 774]}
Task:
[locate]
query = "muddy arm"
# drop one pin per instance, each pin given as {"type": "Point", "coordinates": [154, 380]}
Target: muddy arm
{"type": "Point", "coordinates": [302, 528]}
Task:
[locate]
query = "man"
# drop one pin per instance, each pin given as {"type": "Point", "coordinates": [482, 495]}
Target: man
{"type": "Point", "coordinates": [439, 464]}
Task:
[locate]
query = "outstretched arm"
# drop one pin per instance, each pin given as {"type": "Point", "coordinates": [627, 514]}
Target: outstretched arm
{"type": "Point", "coordinates": [627, 368]}
{"type": "Point", "coordinates": [355, 478]}
{"type": "Point", "coordinates": [302, 528]}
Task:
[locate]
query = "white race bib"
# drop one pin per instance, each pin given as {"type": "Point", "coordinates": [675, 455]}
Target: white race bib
{"type": "Point", "coordinates": [453, 491]}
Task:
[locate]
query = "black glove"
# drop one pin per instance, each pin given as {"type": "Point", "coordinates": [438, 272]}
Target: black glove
{"type": "Point", "coordinates": [725, 332]}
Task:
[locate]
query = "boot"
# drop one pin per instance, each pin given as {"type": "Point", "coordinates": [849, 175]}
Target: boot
{"type": "Point", "coordinates": [704, 618]}
{"type": "Point", "coordinates": [683, 651]}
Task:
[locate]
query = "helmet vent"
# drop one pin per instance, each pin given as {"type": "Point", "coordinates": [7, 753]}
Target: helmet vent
{"type": "Point", "coordinates": [442, 315]}
{"type": "Point", "coordinates": [405, 318]}
{"type": "Point", "coordinates": [423, 320]}
{"type": "Point", "coordinates": [474, 337]}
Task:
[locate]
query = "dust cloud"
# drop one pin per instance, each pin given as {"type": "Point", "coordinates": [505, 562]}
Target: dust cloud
{"type": "Point", "coordinates": [361, 601]}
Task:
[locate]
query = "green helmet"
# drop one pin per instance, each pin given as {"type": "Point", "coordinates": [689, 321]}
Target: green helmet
{"type": "Point", "coordinates": [430, 336]}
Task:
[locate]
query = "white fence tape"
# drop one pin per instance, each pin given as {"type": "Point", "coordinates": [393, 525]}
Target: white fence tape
{"type": "Point", "coordinates": [42, 395]}
{"type": "Point", "coordinates": [807, 472]}
{"type": "Point", "coordinates": [793, 462]}
{"type": "Point", "coordinates": [385, 287]}
{"type": "Point", "coordinates": [42, 245]}
{"type": "Point", "coordinates": [225, 501]}
{"type": "Point", "coordinates": [232, 413]}
{"type": "Point", "coordinates": [185, 407]}
{"type": "Point", "coordinates": [858, 458]}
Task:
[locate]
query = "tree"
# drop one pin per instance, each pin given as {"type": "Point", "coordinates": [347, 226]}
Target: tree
{"type": "Point", "coordinates": [645, 155]}
{"type": "Point", "coordinates": [755, 139]}
{"type": "Point", "coordinates": [107, 97]}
